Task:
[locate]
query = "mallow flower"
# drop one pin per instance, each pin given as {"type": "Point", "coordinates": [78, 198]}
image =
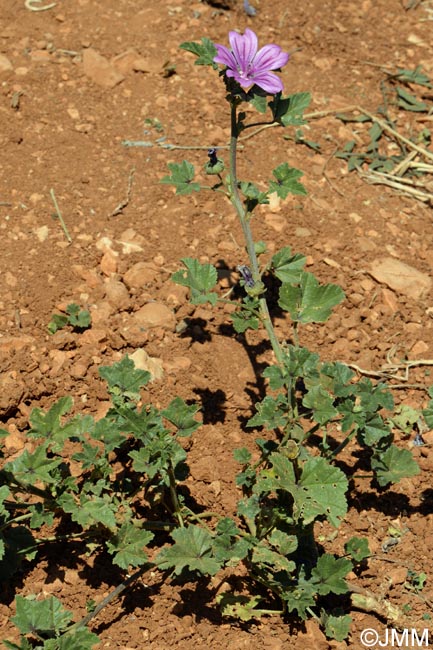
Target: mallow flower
{"type": "Point", "coordinates": [249, 66]}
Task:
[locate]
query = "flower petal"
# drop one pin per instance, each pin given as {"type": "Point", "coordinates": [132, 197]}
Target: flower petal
{"type": "Point", "coordinates": [224, 56]}
{"type": "Point", "coordinates": [268, 81]}
{"type": "Point", "coordinates": [270, 57]}
{"type": "Point", "coordinates": [244, 47]}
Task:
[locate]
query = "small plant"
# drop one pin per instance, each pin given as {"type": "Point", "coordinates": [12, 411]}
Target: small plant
{"type": "Point", "coordinates": [78, 319]}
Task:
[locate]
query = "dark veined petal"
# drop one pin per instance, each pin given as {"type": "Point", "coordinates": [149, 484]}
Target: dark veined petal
{"type": "Point", "coordinates": [244, 47]}
{"type": "Point", "coordinates": [270, 57]}
{"type": "Point", "coordinates": [224, 56]}
{"type": "Point", "coordinates": [268, 81]}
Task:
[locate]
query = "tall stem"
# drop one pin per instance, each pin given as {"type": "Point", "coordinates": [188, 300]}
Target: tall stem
{"type": "Point", "coordinates": [244, 218]}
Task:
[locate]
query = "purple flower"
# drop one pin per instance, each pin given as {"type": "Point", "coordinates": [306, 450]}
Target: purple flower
{"type": "Point", "coordinates": [247, 66]}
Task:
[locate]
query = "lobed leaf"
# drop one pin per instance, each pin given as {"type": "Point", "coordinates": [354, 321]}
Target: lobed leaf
{"type": "Point", "coordinates": [192, 549]}
{"type": "Point", "coordinates": [309, 302]}
{"type": "Point", "coordinates": [200, 278]}
{"type": "Point", "coordinates": [205, 51]}
{"type": "Point", "coordinates": [286, 181]}
{"type": "Point", "coordinates": [182, 176]}
{"type": "Point", "coordinates": [393, 464]}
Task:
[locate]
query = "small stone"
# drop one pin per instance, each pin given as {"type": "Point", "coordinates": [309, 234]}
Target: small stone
{"type": "Point", "coordinates": [140, 275]}
{"type": "Point", "coordinates": [93, 336]}
{"type": "Point", "coordinates": [398, 575]}
{"type": "Point", "coordinates": [116, 293]}
{"type": "Point", "coordinates": [124, 62]}
{"type": "Point", "coordinates": [100, 70]}
{"type": "Point", "coordinates": [131, 242]}
{"type": "Point", "coordinates": [79, 369]}
{"type": "Point", "coordinates": [109, 262]}
{"type": "Point", "coordinates": [155, 314]}
{"type": "Point", "coordinates": [143, 361]}
{"type": "Point", "coordinates": [58, 358]}
{"type": "Point", "coordinates": [42, 233]}
{"type": "Point", "coordinates": [5, 65]}
{"type": "Point", "coordinates": [303, 232]}
{"type": "Point", "coordinates": [401, 277]}
{"type": "Point", "coordinates": [101, 312]}
{"type": "Point", "coordinates": [419, 349]}
{"type": "Point", "coordinates": [73, 113]}
{"type": "Point", "coordinates": [175, 364]}
{"type": "Point", "coordinates": [389, 299]}
{"type": "Point", "coordinates": [277, 222]}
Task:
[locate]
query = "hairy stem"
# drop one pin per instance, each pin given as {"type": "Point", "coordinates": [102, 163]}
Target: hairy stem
{"type": "Point", "coordinates": [244, 218]}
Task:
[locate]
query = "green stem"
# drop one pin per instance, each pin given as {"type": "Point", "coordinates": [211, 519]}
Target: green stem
{"type": "Point", "coordinates": [173, 494]}
{"type": "Point", "coordinates": [244, 218]}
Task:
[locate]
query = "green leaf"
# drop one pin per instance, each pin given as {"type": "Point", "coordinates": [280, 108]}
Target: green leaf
{"type": "Point", "coordinates": [57, 322]}
{"type": "Point", "coordinates": [286, 181]}
{"type": "Point", "coordinates": [77, 639]}
{"type": "Point", "coordinates": [30, 469]}
{"type": "Point", "coordinates": [237, 606]}
{"type": "Point", "coordinates": [357, 548]}
{"type": "Point", "coordinates": [253, 195]}
{"type": "Point", "coordinates": [405, 418]}
{"type": "Point", "coordinates": [393, 464]}
{"type": "Point", "coordinates": [182, 175]}
{"type": "Point", "coordinates": [271, 413]}
{"type": "Point", "coordinates": [127, 546]}
{"type": "Point", "coordinates": [200, 278]}
{"type": "Point", "coordinates": [182, 416]}
{"type": "Point", "coordinates": [289, 110]}
{"type": "Point", "coordinates": [78, 318]}
{"type": "Point", "coordinates": [247, 316]}
{"type": "Point", "coordinates": [43, 617]}
{"type": "Point", "coordinates": [409, 102]}
{"type": "Point", "coordinates": [286, 544]}
{"type": "Point", "coordinates": [288, 267]}
{"type": "Point", "coordinates": [413, 76]}
{"type": "Point", "coordinates": [90, 510]}
{"type": "Point", "coordinates": [329, 574]}
{"type": "Point", "coordinates": [47, 425]}
{"type": "Point", "coordinates": [258, 100]}
{"type": "Point", "coordinates": [321, 403]}
{"type": "Point", "coordinates": [192, 549]}
{"type": "Point", "coordinates": [242, 455]}
{"type": "Point", "coordinates": [124, 379]}
{"type": "Point", "coordinates": [262, 555]}
{"type": "Point", "coordinates": [300, 596]}
{"type": "Point", "coordinates": [338, 627]}
{"type": "Point", "coordinates": [320, 491]}
{"type": "Point", "coordinates": [309, 302]}
{"type": "Point", "coordinates": [205, 51]}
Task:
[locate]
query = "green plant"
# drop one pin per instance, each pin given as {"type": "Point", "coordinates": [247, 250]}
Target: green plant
{"type": "Point", "coordinates": [78, 319]}
{"type": "Point", "coordinates": [117, 484]}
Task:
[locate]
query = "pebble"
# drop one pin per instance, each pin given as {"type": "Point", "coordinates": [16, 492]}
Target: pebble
{"type": "Point", "coordinates": [100, 70]}
{"type": "Point", "coordinates": [109, 262]}
{"type": "Point", "coordinates": [124, 62]}
{"type": "Point", "coordinates": [101, 312]}
{"type": "Point", "coordinates": [155, 314]}
{"type": "Point", "coordinates": [277, 222]}
{"type": "Point", "coordinates": [5, 64]}
{"type": "Point", "coordinates": [401, 277]}
{"type": "Point", "coordinates": [144, 362]}
{"type": "Point", "coordinates": [116, 293]}
{"type": "Point", "coordinates": [140, 275]}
